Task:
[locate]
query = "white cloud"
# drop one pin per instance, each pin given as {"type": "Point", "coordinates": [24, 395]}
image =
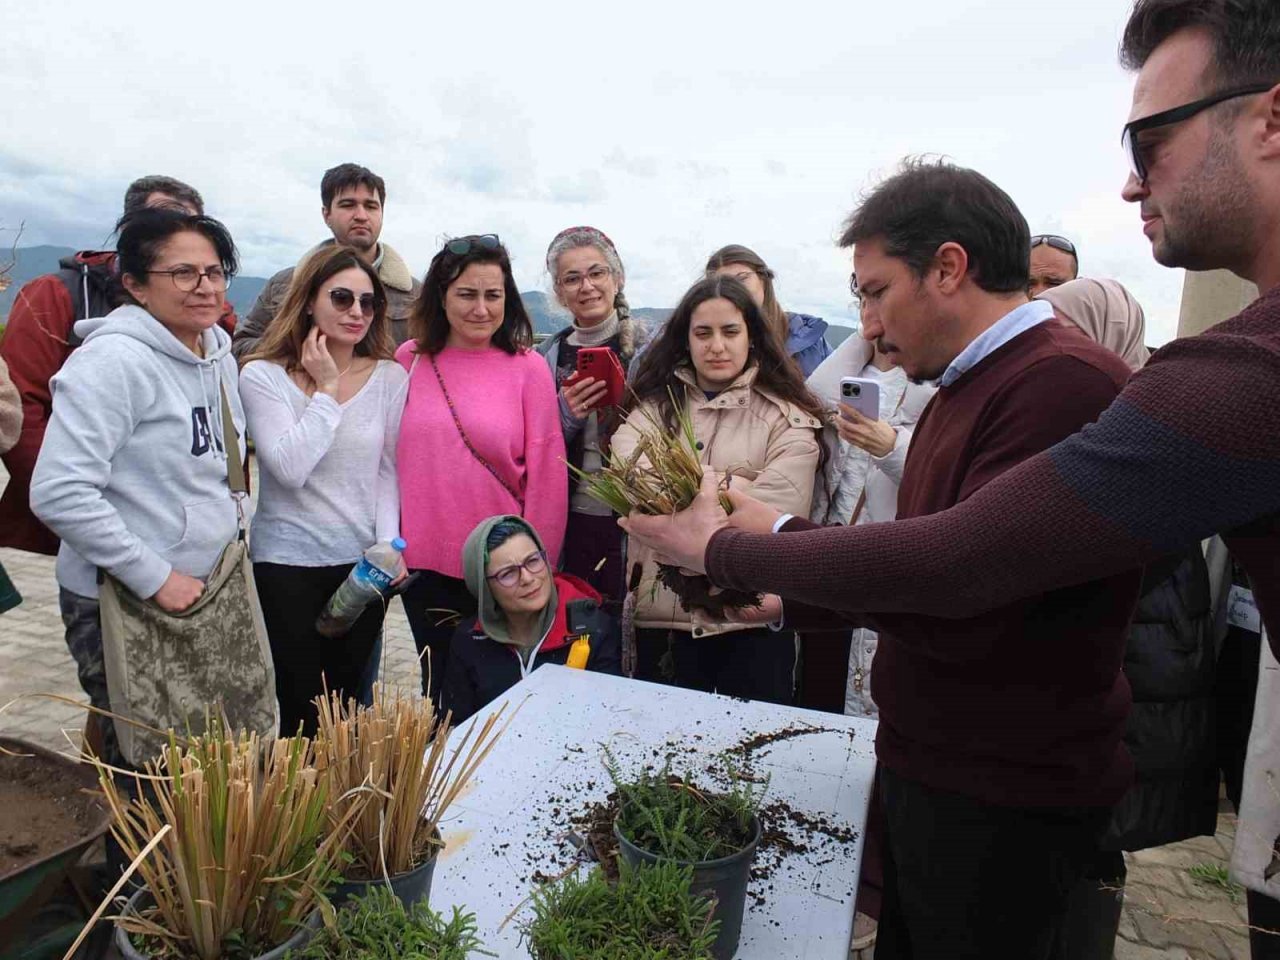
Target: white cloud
{"type": "Point", "coordinates": [674, 127]}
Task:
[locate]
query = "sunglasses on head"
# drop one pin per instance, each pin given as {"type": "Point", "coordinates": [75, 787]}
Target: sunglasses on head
{"type": "Point", "coordinates": [464, 245]}
{"type": "Point", "coordinates": [342, 299]}
{"type": "Point", "coordinates": [1129, 136]}
{"type": "Point", "coordinates": [1055, 241]}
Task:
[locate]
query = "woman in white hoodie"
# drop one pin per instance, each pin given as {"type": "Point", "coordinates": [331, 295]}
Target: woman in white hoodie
{"type": "Point", "coordinates": [132, 475]}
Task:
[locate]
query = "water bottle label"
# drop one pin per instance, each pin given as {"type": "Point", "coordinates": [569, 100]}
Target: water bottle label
{"type": "Point", "coordinates": [372, 575]}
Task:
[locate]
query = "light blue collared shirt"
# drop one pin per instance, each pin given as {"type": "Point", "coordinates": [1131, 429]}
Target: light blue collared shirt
{"type": "Point", "coordinates": [1012, 324]}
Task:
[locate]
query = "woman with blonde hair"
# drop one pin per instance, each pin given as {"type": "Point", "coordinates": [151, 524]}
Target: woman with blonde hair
{"type": "Point", "coordinates": [323, 399]}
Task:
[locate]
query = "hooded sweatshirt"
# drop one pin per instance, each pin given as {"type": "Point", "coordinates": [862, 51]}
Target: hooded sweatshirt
{"type": "Point", "coordinates": [132, 474]}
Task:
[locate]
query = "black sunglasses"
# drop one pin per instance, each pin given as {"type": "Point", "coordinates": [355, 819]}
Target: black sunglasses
{"type": "Point", "coordinates": [464, 245]}
{"type": "Point", "coordinates": [1055, 241]}
{"type": "Point", "coordinates": [1129, 136]}
{"type": "Point", "coordinates": [342, 299]}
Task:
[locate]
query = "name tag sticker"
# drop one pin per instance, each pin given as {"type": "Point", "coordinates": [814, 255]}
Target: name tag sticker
{"type": "Point", "coordinates": [1242, 611]}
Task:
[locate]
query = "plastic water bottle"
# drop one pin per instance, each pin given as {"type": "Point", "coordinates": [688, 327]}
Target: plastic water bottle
{"type": "Point", "coordinates": [368, 580]}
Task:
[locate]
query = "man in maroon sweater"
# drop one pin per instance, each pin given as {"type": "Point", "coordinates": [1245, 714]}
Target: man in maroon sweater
{"type": "Point", "coordinates": [1000, 734]}
{"type": "Point", "coordinates": [1190, 448]}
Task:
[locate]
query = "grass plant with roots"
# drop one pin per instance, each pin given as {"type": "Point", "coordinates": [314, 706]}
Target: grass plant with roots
{"type": "Point", "coordinates": [661, 477]}
{"type": "Point", "coordinates": [391, 777]}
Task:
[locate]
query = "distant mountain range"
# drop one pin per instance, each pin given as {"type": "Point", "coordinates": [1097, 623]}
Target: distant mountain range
{"type": "Point", "coordinates": [31, 262]}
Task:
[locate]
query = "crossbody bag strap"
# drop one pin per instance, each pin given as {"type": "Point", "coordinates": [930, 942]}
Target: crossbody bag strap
{"type": "Point", "coordinates": [467, 440]}
{"type": "Point", "coordinates": [231, 446]}
{"type": "Point", "coordinates": [235, 466]}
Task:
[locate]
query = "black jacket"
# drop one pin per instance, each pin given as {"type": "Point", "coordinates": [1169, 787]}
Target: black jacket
{"type": "Point", "coordinates": [1170, 663]}
{"type": "Point", "coordinates": [481, 669]}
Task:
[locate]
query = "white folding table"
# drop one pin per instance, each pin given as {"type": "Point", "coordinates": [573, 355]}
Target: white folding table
{"type": "Point", "coordinates": [511, 823]}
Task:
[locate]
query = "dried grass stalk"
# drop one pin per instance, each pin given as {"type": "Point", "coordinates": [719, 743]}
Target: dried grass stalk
{"type": "Point", "coordinates": [388, 763]}
{"type": "Point", "coordinates": [250, 851]}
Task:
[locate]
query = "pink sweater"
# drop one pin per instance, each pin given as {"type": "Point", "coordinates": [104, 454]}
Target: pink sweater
{"type": "Point", "coordinates": [508, 408]}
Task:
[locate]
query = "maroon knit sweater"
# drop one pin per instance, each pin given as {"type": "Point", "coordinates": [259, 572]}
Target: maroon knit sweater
{"type": "Point", "coordinates": [1190, 448]}
{"type": "Point", "coordinates": [1023, 704]}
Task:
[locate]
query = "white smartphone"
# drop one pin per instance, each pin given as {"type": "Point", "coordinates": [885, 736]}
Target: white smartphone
{"type": "Point", "coordinates": [863, 394]}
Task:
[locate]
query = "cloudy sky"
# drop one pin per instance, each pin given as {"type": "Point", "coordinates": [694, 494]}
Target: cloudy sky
{"type": "Point", "coordinates": [674, 127]}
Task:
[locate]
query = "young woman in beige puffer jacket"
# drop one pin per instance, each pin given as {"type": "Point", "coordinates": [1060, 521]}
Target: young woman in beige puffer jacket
{"type": "Point", "coordinates": [753, 419]}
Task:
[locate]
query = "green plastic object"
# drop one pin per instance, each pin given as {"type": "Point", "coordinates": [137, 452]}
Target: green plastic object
{"type": "Point", "coordinates": [9, 595]}
{"type": "Point", "coordinates": [24, 890]}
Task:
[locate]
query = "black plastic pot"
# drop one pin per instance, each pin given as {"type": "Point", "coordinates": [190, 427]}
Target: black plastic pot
{"type": "Point", "coordinates": [299, 940]}
{"type": "Point", "coordinates": [724, 879]}
{"type": "Point", "coordinates": [409, 887]}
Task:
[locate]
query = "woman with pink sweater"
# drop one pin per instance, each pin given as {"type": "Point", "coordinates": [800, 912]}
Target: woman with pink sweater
{"type": "Point", "coordinates": [480, 434]}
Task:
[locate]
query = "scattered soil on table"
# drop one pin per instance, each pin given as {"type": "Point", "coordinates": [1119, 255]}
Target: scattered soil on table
{"type": "Point", "coordinates": [750, 745]}
{"type": "Point", "coordinates": [784, 831]}
{"type": "Point", "coordinates": [571, 830]}
{"type": "Point", "coordinates": [46, 808]}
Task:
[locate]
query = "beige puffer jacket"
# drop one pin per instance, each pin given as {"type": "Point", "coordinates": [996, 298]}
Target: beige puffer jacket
{"type": "Point", "coordinates": [771, 447]}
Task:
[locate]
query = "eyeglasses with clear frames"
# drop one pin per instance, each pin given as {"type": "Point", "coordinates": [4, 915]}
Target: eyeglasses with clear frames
{"type": "Point", "coordinates": [187, 278]}
{"type": "Point", "coordinates": [597, 275]}
{"type": "Point", "coordinates": [535, 563]}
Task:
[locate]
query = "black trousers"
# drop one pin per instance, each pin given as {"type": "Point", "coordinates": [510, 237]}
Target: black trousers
{"type": "Point", "coordinates": [593, 551]}
{"type": "Point", "coordinates": [292, 598]}
{"type": "Point", "coordinates": [966, 879]}
{"type": "Point", "coordinates": [434, 605]}
{"type": "Point", "coordinates": [755, 664]}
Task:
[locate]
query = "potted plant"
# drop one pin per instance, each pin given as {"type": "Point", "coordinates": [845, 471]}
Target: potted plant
{"type": "Point", "coordinates": [377, 925]}
{"type": "Point", "coordinates": [661, 478]}
{"type": "Point", "coordinates": [245, 847]}
{"type": "Point", "coordinates": [392, 779]}
{"type": "Point", "coordinates": [649, 914]}
{"type": "Point", "coordinates": [667, 818]}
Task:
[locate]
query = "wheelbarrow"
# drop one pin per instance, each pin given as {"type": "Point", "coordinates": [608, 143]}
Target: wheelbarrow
{"type": "Point", "coordinates": [28, 886]}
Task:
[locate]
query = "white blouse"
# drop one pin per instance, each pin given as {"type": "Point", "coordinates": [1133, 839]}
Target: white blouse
{"type": "Point", "coordinates": [327, 483]}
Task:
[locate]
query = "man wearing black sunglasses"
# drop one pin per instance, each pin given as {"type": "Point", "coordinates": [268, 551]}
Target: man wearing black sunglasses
{"type": "Point", "coordinates": [1200, 143]}
{"type": "Point", "coordinates": [1190, 448]}
{"type": "Point", "coordinates": [352, 199]}
{"type": "Point", "coordinates": [1053, 262]}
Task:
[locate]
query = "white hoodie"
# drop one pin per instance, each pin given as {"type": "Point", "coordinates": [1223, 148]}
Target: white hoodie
{"type": "Point", "coordinates": [131, 474]}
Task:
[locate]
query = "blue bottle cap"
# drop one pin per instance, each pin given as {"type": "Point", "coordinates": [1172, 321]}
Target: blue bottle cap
{"type": "Point", "coordinates": [399, 544]}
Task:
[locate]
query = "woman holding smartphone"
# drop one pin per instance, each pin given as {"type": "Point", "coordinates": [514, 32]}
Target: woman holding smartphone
{"type": "Point", "coordinates": [755, 421]}
{"type": "Point", "coordinates": [588, 279]}
{"type": "Point", "coordinates": [323, 399]}
{"type": "Point", "coordinates": [480, 434]}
